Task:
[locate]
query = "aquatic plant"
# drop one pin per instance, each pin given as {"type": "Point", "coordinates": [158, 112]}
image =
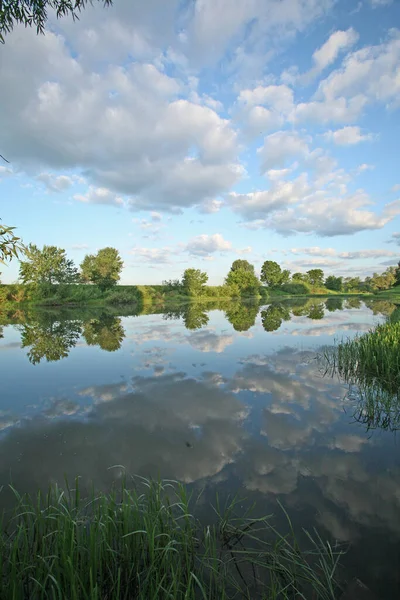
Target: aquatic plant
{"type": "Point", "coordinates": [145, 543]}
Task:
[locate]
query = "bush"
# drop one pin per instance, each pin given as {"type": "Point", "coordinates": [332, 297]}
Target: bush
{"type": "Point", "coordinates": [119, 297]}
{"type": "Point", "coordinates": [297, 288]}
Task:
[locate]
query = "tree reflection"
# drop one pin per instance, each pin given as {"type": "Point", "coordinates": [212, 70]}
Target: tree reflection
{"type": "Point", "coordinates": [106, 331]}
{"type": "Point", "coordinates": [241, 315]}
{"type": "Point", "coordinates": [316, 311]}
{"type": "Point", "coordinates": [273, 316]}
{"type": "Point", "coordinates": [49, 338]}
{"type": "Point", "coordinates": [195, 316]}
{"type": "Point", "coordinates": [333, 304]}
{"type": "Point", "coordinates": [353, 303]}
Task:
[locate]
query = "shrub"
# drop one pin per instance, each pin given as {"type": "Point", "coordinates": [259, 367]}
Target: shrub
{"type": "Point", "coordinates": [297, 288]}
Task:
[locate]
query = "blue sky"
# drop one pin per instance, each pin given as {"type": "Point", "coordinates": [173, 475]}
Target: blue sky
{"type": "Point", "coordinates": [194, 133]}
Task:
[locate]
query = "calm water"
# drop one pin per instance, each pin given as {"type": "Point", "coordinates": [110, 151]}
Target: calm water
{"type": "Point", "coordinates": [229, 400]}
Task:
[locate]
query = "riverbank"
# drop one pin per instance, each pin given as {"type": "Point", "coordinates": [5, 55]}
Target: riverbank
{"type": "Point", "coordinates": [145, 542]}
{"type": "Point", "coordinates": [128, 295]}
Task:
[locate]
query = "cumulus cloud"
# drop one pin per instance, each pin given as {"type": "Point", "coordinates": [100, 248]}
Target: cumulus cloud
{"type": "Point", "coordinates": [55, 183]}
{"type": "Point", "coordinates": [205, 244]}
{"type": "Point", "coordinates": [99, 195]}
{"type": "Point", "coordinates": [281, 146]}
{"type": "Point", "coordinates": [331, 252]}
{"type": "Point", "coordinates": [132, 135]}
{"type": "Point", "coordinates": [367, 76]}
{"type": "Point", "coordinates": [348, 136]}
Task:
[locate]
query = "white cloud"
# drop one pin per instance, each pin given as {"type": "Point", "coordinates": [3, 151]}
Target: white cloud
{"type": "Point", "coordinates": [126, 127]}
{"type": "Point", "coordinates": [205, 244]}
{"type": "Point", "coordinates": [79, 246]}
{"type": "Point", "coordinates": [5, 172]}
{"type": "Point", "coordinates": [331, 252]}
{"type": "Point", "coordinates": [99, 195]}
{"type": "Point", "coordinates": [265, 107]}
{"type": "Point", "coordinates": [55, 183]}
{"type": "Point", "coordinates": [328, 52]}
{"type": "Point", "coordinates": [281, 146]}
{"type": "Point", "coordinates": [348, 136]}
{"type": "Point", "coordinates": [395, 188]}
{"type": "Point", "coordinates": [379, 3]}
{"type": "Point", "coordinates": [153, 255]}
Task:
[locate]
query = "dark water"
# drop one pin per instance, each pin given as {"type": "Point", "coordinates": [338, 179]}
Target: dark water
{"type": "Point", "coordinates": [231, 400]}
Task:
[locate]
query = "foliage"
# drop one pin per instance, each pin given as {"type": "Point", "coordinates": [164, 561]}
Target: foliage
{"type": "Point", "coordinates": [34, 12]}
{"type": "Point", "coordinates": [242, 315]}
{"type": "Point", "coordinates": [243, 279]}
{"type": "Point", "coordinates": [382, 281]}
{"type": "Point", "coordinates": [315, 277]}
{"type": "Point", "coordinates": [125, 296]}
{"type": "Point", "coordinates": [47, 266]}
{"type": "Point", "coordinates": [316, 311]}
{"type": "Point", "coordinates": [145, 542]}
{"type": "Point", "coordinates": [102, 269]}
{"type": "Point", "coordinates": [106, 331]}
{"type": "Point", "coordinates": [172, 285]}
{"type": "Point", "coordinates": [194, 281]}
{"type": "Point", "coordinates": [195, 316]}
{"type": "Point", "coordinates": [296, 287]}
{"type": "Point", "coordinates": [352, 284]}
{"type": "Point", "coordinates": [333, 304]}
{"type": "Point", "coordinates": [272, 274]}
{"type": "Point", "coordinates": [371, 362]}
{"type": "Point", "coordinates": [299, 277]}
{"type": "Point", "coordinates": [397, 274]}
{"type": "Point", "coordinates": [10, 245]}
{"type": "Point", "coordinates": [49, 338]}
{"type": "Point", "coordinates": [242, 265]}
{"type": "Point", "coordinates": [273, 316]}
{"type": "Point", "coordinates": [334, 283]}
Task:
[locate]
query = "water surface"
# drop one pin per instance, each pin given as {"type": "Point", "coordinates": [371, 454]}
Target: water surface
{"type": "Point", "coordinates": [229, 400]}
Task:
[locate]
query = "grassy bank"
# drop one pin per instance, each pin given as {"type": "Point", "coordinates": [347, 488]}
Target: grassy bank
{"type": "Point", "coordinates": [146, 544]}
{"type": "Point", "coordinates": [139, 295]}
{"type": "Point", "coordinates": [371, 362]}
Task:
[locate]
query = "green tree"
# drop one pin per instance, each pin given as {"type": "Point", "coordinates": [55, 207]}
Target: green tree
{"type": "Point", "coordinates": [299, 277]}
{"type": "Point", "coordinates": [242, 315]}
{"type": "Point", "coordinates": [272, 274]}
{"type": "Point", "coordinates": [102, 269]}
{"type": "Point", "coordinates": [243, 280]}
{"type": "Point", "coordinates": [194, 281]}
{"type": "Point", "coordinates": [334, 283]}
{"type": "Point", "coordinates": [383, 281]}
{"type": "Point", "coordinates": [352, 284]}
{"type": "Point", "coordinates": [106, 331]}
{"type": "Point", "coordinates": [397, 274]}
{"type": "Point", "coordinates": [242, 265]}
{"type": "Point", "coordinates": [47, 266]}
{"type": "Point", "coordinates": [273, 316]}
{"type": "Point", "coordinates": [316, 311]}
{"type": "Point", "coordinates": [10, 245]}
{"type": "Point", "coordinates": [34, 12]}
{"type": "Point", "coordinates": [316, 277]}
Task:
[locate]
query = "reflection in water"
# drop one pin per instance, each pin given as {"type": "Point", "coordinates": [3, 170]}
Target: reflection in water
{"type": "Point", "coordinates": [242, 316]}
{"type": "Point", "coordinates": [333, 304]}
{"type": "Point", "coordinates": [273, 316]}
{"type": "Point", "coordinates": [49, 338]}
{"type": "Point", "coordinates": [222, 410]}
{"type": "Point", "coordinates": [106, 332]}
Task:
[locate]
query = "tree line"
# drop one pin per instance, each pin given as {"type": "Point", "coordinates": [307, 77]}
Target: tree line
{"type": "Point", "coordinates": [49, 266]}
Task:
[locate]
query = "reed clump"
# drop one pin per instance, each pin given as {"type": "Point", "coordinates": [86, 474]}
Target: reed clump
{"type": "Point", "coordinates": [145, 543]}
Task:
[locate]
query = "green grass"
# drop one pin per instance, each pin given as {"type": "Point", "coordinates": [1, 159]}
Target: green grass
{"type": "Point", "coordinates": [370, 364]}
{"type": "Point", "coordinates": [146, 544]}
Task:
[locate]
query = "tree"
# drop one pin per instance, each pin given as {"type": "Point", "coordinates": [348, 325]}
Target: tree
{"type": "Point", "coordinates": [272, 274]}
{"type": "Point", "coordinates": [195, 316]}
{"type": "Point", "coordinates": [49, 338]}
{"type": "Point", "coordinates": [299, 277]}
{"type": "Point", "coordinates": [34, 12]}
{"type": "Point", "coordinates": [47, 266]}
{"type": "Point", "coordinates": [334, 283]}
{"type": "Point", "coordinates": [334, 303]}
{"type": "Point", "coordinates": [242, 315]}
{"type": "Point", "coordinates": [397, 274]}
{"type": "Point", "coordinates": [102, 269]}
{"type": "Point", "coordinates": [316, 311]}
{"type": "Point", "coordinates": [10, 245]}
{"type": "Point", "coordinates": [194, 281]}
{"type": "Point", "coordinates": [244, 280]}
{"type": "Point", "coordinates": [316, 277]}
{"type": "Point", "coordinates": [382, 281]}
{"type": "Point", "coordinates": [242, 265]}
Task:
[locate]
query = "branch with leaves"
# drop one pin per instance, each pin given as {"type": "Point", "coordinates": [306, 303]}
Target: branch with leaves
{"type": "Point", "coordinates": [10, 245]}
{"type": "Point", "coordinates": [33, 13]}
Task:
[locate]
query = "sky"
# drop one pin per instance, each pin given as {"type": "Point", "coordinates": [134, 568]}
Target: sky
{"type": "Point", "coordinates": [192, 133]}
